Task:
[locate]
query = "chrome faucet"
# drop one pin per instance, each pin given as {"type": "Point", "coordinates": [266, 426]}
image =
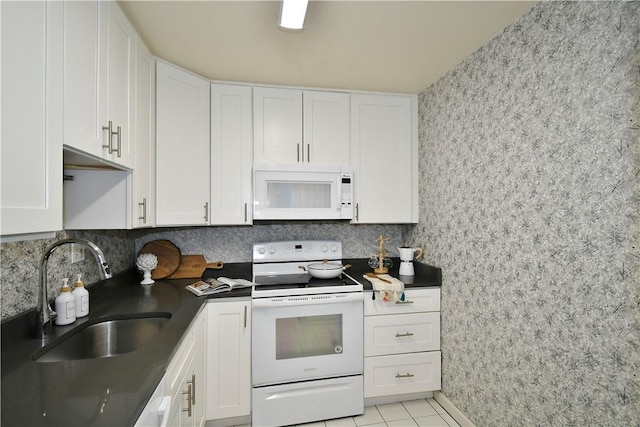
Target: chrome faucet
{"type": "Point", "coordinates": [45, 314]}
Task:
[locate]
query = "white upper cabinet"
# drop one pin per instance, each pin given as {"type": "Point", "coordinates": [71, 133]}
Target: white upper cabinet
{"type": "Point", "coordinates": [326, 127]}
{"type": "Point", "coordinates": [31, 145]}
{"type": "Point", "coordinates": [120, 87]}
{"type": "Point", "coordinates": [83, 114]}
{"type": "Point", "coordinates": [277, 136]}
{"type": "Point", "coordinates": [144, 138]}
{"type": "Point", "coordinates": [182, 147]}
{"type": "Point", "coordinates": [384, 153]}
{"type": "Point", "coordinates": [98, 81]}
{"type": "Point", "coordinates": [231, 154]}
{"type": "Point", "coordinates": [295, 126]}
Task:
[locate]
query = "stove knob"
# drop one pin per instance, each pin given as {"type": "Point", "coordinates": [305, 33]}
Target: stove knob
{"type": "Point", "coordinates": [261, 250]}
{"type": "Point", "coordinates": [272, 250]}
{"type": "Point", "coordinates": [334, 248]}
{"type": "Point", "coordinates": [324, 248]}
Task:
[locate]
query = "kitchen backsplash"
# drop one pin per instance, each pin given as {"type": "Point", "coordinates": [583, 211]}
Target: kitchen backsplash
{"type": "Point", "coordinates": [234, 244]}
{"type": "Point", "coordinates": [20, 265]}
{"type": "Point", "coordinates": [529, 202]}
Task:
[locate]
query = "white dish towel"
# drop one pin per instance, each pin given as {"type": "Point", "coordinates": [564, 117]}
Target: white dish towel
{"type": "Point", "coordinates": [392, 292]}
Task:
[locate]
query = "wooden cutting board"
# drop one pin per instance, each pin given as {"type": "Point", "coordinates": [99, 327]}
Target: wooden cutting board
{"type": "Point", "coordinates": [192, 267]}
{"type": "Point", "coordinates": [168, 256]}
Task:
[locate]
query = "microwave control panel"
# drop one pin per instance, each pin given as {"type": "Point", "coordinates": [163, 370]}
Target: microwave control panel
{"type": "Point", "coordinates": [346, 195]}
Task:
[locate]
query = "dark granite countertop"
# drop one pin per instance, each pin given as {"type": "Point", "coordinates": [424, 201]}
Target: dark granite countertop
{"type": "Point", "coordinates": [425, 276]}
{"type": "Point", "coordinates": [113, 391]}
{"type": "Point", "coordinates": [97, 392]}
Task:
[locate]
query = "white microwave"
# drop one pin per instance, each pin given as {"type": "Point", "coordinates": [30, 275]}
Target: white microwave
{"type": "Point", "coordinates": [302, 192]}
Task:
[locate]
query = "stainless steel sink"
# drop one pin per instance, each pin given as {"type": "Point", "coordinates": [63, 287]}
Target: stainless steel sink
{"type": "Point", "coordinates": [105, 338]}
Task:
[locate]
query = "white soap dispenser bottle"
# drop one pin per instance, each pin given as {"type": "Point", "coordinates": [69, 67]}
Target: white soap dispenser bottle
{"type": "Point", "coordinates": [81, 295]}
{"type": "Point", "coordinates": [65, 305]}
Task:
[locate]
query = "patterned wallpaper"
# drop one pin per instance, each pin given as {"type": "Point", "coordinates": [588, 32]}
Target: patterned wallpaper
{"type": "Point", "coordinates": [529, 202]}
{"type": "Point", "coordinates": [20, 264]}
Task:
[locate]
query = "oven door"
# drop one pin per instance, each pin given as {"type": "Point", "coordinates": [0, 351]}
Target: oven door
{"type": "Point", "coordinates": [306, 337]}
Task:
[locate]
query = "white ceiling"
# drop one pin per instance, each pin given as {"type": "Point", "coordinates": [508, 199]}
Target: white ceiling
{"type": "Point", "coordinates": [390, 46]}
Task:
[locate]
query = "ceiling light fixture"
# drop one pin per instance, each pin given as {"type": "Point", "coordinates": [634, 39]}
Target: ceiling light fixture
{"type": "Point", "coordinates": [292, 14]}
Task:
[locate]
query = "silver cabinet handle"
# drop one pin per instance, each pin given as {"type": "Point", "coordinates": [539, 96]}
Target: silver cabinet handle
{"type": "Point", "coordinates": [245, 213]}
{"type": "Point", "coordinates": [298, 153]}
{"type": "Point", "coordinates": [404, 302]}
{"type": "Point", "coordinates": [118, 133]}
{"type": "Point", "coordinates": [245, 316]}
{"type": "Point", "coordinates": [189, 394]}
{"type": "Point", "coordinates": [406, 334]}
{"type": "Point", "coordinates": [357, 211]}
{"type": "Point", "coordinates": [206, 212]}
{"type": "Point", "coordinates": [119, 144]}
{"type": "Point", "coordinates": [110, 131]}
{"type": "Point", "coordinates": [193, 388]}
{"type": "Point", "coordinates": [407, 375]}
{"type": "Point", "coordinates": [308, 154]}
{"type": "Point", "coordinates": [144, 210]}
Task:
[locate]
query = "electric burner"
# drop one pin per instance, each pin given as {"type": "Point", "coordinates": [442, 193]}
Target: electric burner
{"type": "Point", "coordinates": [277, 269]}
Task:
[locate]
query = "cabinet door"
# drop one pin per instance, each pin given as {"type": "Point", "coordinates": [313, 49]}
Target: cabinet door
{"type": "Point", "coordinates": [231, 154]}
{"type": "Point", "coordinates": [185, 378]}
{"type": "Point", "coordinates": [143, 206]}
{"type": "Point", "coordinates": [277, 125]}
{"type": "Point", "coordinates": [182, 147]}
{"type": "Point", "coordinates": [31, 145]}
{"type": "Point", "coordinates": [120, 86]}
{"type": "Point", "coordinates": [384, 153]}
{"type": "Point", "coordinates": [85, 32]}
{"type": "Point", "coordinates": [196, 373]}
{"type": "Point", "coordinates": [228, 359]}
{"type": "Point", "coordinates": [326, 127]}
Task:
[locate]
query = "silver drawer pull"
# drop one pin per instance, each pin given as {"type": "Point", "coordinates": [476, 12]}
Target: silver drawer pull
{"type": "Point", "coordinates": [406, 334]}
{"type": "Point", "coordinates": [407, 375]}
{"type": "Point", "coordinates": [404, 302]}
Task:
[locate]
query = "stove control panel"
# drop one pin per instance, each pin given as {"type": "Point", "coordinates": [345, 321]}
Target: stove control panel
{"type": "Point", "coordinates": [297, 250]}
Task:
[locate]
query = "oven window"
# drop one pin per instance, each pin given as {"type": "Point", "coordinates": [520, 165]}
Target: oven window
{"type": "Point", "coordinates": [308, 336]}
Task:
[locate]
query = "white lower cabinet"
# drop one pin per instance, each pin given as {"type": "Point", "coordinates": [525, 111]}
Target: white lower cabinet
{"type": "Point", "coordinates": [228, 359]}
{"type": "Point", "coordinates": [185, 378]}
{"type": "Point", "coordinates": [402, 344]}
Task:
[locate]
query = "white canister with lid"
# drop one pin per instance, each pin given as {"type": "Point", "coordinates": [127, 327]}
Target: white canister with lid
{"type": "Point", "coordinates": [81, 295]}
{"type": "Point", "coordinates": [65, 305]}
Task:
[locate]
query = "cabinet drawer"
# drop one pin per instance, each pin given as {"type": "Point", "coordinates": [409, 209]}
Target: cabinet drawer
{"type": "Point", "coordinates": [416, 300]}
{"type": "Point", "coordinates": [402, 373]}
{"type": "Point", "coordinates": [401, 333]}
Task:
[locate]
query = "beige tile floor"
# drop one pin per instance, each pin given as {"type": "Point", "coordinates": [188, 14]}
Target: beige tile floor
{"type": "Point", "coordinates": [412, 413]}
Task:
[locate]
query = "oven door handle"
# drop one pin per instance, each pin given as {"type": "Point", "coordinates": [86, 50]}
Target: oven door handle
{"type": "Point", "coordinates": [308, 300]}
